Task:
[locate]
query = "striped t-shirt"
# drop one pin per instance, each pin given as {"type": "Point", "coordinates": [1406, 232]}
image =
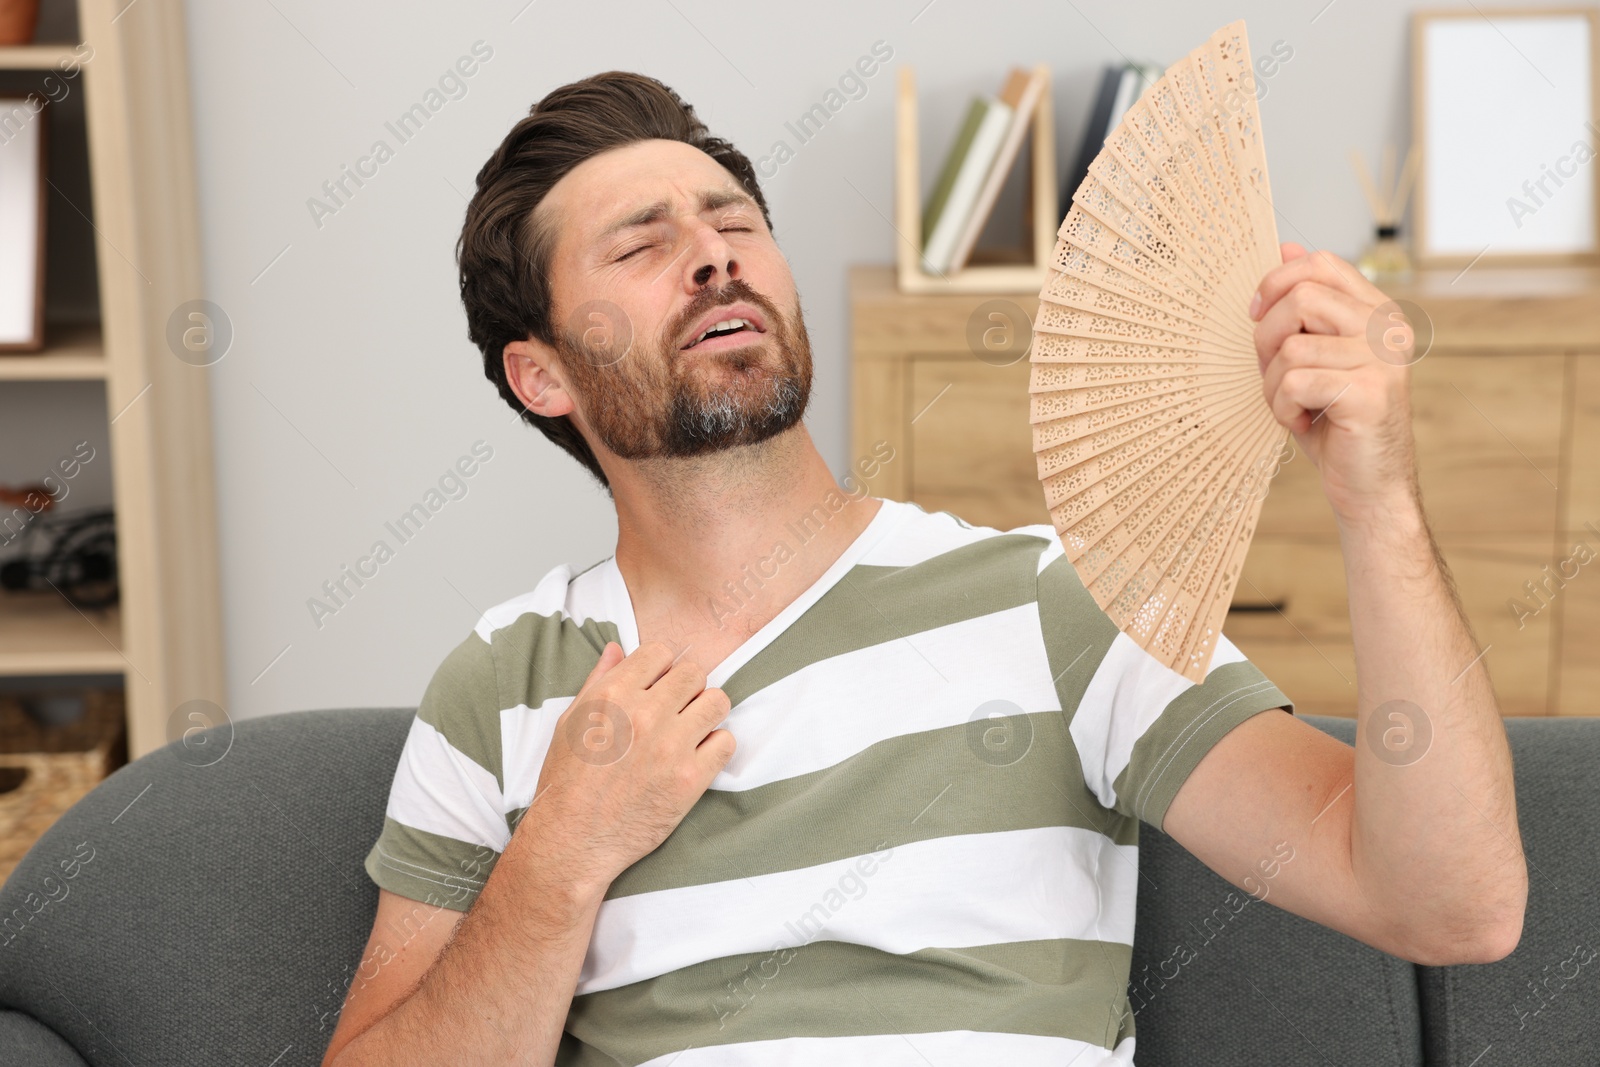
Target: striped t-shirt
{"type": "Point", "coordinates": [925, 848]}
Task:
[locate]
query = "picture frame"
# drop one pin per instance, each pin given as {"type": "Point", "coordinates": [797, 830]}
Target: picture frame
{"type": "Point", "coordinates": [24, 143]}
{"type": "Point", "coordinates": [1506, 114]}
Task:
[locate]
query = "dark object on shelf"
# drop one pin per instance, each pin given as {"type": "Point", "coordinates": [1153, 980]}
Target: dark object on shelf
{"type": "Point", "coordinates": [54, 707]}
{"type": "Point", "coordinates": [23, 504]}
{"type": "Point", "coordinates": [1120, 85]}
{"type": "Point", "coordinates": [1094, 132]}
{"type": "Point", "coordinates": [79, 559]}
{"type": "Point", "coordinates": [36, 498]}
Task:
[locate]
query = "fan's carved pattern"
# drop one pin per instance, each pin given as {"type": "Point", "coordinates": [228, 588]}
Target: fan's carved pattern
{"type": "Point", "coordinates": [1153, 441]}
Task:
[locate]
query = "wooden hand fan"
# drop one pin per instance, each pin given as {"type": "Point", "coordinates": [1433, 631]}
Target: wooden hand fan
{"type": "Point", "coordinates": [1154, 441]}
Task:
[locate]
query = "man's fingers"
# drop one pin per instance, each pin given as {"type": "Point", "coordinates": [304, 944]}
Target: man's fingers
{"type": "Point", "coordinates": [610, 656]}
{"type": "Point", "coordinates": [1308, 308]}
{"type": "Point", "coordinates": [707, 709]}
{"type": "Point", "coordinates": [1319, 266]}
{"type": "Point", "coordinates": [649, 663]}
{"type": "Point", "coordinates": [683, 679]}
{"type": "Point", "coordinates": [1311, 350]}
{"type": "Point", "coordinates": [1304, 391]}
{"type": "Point", "coordinates": [714, 752]}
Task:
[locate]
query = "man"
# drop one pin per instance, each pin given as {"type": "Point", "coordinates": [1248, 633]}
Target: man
{"type": "Point", "coordinates": [805, 776]}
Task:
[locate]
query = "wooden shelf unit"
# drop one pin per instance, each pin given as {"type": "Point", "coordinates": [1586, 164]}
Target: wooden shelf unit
{"type": "Point", "coordinates": [1039, 204]}
{"type": "Point", "coordinates": [165, 635]}
{"type": "Point", "coordinates": [1506, 412]}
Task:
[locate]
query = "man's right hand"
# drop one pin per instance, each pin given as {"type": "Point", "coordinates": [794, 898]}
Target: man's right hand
{"type": "Point", "coordinates": [629, 758]}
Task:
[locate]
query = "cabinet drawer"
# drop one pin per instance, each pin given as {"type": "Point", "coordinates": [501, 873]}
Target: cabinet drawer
{"type": "Point", "coordinates": [1576, 604]}
{"type": "Point", "coordinates": [1295, 622]}
{"type": "Point", "coordinates": [1583, 450]}
{"type": "Point", "coordinates": [1488, 431]}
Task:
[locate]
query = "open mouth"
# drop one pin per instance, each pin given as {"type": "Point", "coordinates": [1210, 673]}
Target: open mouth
{"type": "Point", "coordinates": [726, 334]}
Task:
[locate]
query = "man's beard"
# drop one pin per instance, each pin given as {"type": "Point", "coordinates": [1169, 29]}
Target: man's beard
{"type": "Point", "coordinates": [683, 402]}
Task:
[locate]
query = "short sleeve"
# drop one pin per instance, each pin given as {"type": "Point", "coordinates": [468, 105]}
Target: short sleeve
{"type": "Point", "coordinates": [1139, 727]}
{"type": "Point", "coordinates": [445, 825]}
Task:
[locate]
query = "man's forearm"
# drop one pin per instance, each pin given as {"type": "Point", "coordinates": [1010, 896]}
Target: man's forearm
{"type": "Point", "coordinates": [1434, 830]}
{"type": "Point", "coordinates": [500, 990]}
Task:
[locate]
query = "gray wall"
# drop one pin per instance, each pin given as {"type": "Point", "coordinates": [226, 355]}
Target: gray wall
{"type": "Point", "coordinates": [351, 387]}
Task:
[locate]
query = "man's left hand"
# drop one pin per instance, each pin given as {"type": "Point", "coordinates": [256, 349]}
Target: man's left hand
{"type": "Point", "coordinates": [1344, 396]}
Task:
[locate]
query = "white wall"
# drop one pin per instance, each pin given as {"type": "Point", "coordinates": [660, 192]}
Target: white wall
{"type": "Point", "coordinates": [351, 385]}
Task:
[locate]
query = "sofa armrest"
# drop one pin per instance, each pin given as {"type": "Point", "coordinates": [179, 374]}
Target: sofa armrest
{"type": "Point", "coordinates": [27, 1042]}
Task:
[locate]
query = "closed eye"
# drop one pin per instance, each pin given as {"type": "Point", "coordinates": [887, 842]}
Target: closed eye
{"type": "Point", "coordinates": [641, 248]}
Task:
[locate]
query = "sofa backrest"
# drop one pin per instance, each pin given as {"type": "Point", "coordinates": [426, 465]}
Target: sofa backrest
{"type": "Point", "coordinates": [1298, 993]}
{"type": "Point", "coordinates": [186, 913]}
{"type": "Point", "coordinates": [1221, 977]}
{"type": "Point", "coordinates": [208, 914]}
{"type": "Point", "coordinates": [1541, 1004]}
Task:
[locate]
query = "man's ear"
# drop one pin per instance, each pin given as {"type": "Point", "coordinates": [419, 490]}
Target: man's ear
{"type": "Point", "coordinates": [527, 370]}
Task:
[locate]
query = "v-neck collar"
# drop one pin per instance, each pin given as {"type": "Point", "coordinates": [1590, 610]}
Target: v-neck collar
{"type": "Point", "coordinates": [619, 603]}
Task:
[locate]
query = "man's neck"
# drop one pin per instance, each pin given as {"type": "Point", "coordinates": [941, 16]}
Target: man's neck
{"type": "Point", "coordinates": [698, 540]}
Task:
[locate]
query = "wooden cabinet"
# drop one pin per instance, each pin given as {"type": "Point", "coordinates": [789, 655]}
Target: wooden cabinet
{"type": "Point", "coordinates": [1506, 410]}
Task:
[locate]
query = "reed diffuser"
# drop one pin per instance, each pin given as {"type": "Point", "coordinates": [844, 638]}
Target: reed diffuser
{"type": "Point", "coordinates": [1385, 259]}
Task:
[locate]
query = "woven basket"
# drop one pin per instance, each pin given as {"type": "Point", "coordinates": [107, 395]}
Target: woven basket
{"type": "Point", "coordinates": [52, 767]}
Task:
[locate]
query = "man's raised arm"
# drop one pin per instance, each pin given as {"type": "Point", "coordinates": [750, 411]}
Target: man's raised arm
{"type": "Point", "coordinates": [1411, 843]}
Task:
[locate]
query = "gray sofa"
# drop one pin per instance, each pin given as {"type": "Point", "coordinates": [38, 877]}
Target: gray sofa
{"type": "Point", "coordinates": [186, 914]}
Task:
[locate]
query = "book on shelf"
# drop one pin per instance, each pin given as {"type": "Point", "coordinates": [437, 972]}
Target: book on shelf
{"type": "Point", "coordinates": [965, 168]}
{"type": "Point", "coordinates": [1021, 93]}
{"type": "Point", "coordinates": [952, 164]}
{"type": "Point", "coordinates": [1120, 85]}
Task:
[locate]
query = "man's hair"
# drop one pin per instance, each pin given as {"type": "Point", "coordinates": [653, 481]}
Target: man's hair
{"type": "Point", "coordinates": [504, 257]}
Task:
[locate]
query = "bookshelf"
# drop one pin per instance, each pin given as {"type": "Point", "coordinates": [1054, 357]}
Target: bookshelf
{"type": "Point", "coordinates": [164, 636]}
{"type": "Point", "coordinates": [1041, 217]}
